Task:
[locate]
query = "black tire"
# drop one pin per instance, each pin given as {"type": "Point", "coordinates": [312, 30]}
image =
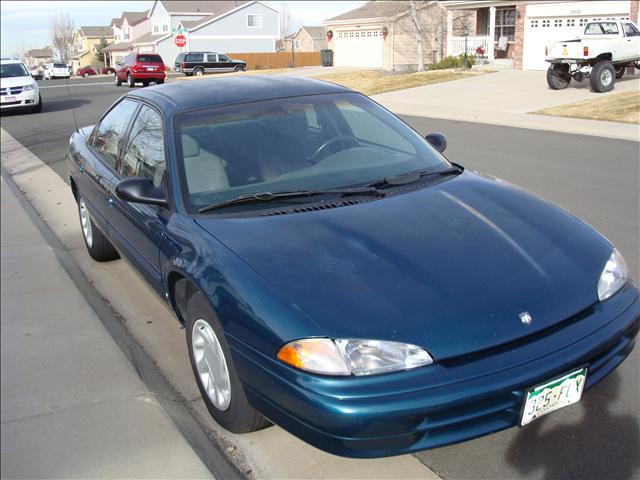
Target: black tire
{"type": "Point", "coordinates": [620, 71]}
{"type": "Point", "coordinates": [85, 74]}
{"type": "Point", "coordinates": [117, 81]}
{"type": "Point", "coordinates": [130, 81]}
{"type": "Point", "coordinates": [602, 77]}
{"type": "Point", "coordinates": [99, 248]}
{"type": "Point", "coordinates": [198, 72]}
{"type": "Point", "coordinates": [239, 68]}
{"type": "Point", "coordinates": [38, 107]}
{"type": "Point", "coordinates": [558, 77]}
{"type": "Point", "coordinates": [159, 82]}
{"type": "Point", "coordinates": [145, 84]}
{"type": "Point", "coordinates": [239, 417]}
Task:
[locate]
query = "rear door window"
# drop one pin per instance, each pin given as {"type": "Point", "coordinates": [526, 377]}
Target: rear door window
{"type": "Point", "coordinates": [195, 57]}
{"type": "Point", "coordinates": [107, 135]}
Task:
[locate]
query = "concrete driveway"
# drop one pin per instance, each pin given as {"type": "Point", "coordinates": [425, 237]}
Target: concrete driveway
{"type": "Point", "coordinates": [505, 98]}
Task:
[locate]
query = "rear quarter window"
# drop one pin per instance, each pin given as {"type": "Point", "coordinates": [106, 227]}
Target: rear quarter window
{"type": "Point", "coordinates": [195, 57]}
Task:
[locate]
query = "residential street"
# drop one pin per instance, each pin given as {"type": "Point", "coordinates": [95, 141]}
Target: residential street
{"type": "Point", "coordinates": [595, 178]}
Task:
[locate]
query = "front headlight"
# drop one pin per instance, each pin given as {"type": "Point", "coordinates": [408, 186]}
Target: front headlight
{"type": "Point", "coordinates": [352, 356]}
{"type": "Point", "coordinates": [28, 88]}
{"type": "Point", "coordinates": [613, 277]}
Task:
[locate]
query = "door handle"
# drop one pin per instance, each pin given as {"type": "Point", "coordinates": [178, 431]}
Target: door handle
{"type": "Point", "coordinates": [111, 202]}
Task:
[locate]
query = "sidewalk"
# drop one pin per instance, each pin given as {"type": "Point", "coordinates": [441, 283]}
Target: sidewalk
{"type": "Point", "coordinates": [72, 405]}
{"type": "Point", "coordinates": [505, 98]}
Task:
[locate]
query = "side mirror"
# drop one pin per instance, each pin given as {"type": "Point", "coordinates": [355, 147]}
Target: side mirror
{"type": "Point", "coordinates": [438, 141]}
{"type": "Point", "coordinates": [141, 190]}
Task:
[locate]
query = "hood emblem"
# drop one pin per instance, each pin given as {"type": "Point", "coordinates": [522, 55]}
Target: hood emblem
{"type": "Point", "coordinates": [526, 318]}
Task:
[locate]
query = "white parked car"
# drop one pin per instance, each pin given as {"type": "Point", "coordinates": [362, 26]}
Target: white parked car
{"type": "Point", "coordinates": [18, 89]}
{"type": "Point", "coordinates": [56, 70]}
{"type": "Point", "coordinates": [602, 53]}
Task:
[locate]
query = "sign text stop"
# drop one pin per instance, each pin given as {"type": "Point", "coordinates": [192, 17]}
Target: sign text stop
{"type": "Point", "coordinates": [180, 40]}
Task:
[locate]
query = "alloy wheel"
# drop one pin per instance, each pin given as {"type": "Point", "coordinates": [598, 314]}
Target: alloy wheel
{"type": "Point", "coordinates": [211, 364]}
{"type": "Point", "coordinates": [85, 223]}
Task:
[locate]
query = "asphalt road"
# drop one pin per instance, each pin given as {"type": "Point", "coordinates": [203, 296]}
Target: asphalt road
{"type": "Point", "coordinates": [595, 178]}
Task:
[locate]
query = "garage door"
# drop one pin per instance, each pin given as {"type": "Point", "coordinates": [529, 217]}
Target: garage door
{"type": "Point", "coordinates": [540, 32]}
{"type": "Point", "coordinates": [358, 48]}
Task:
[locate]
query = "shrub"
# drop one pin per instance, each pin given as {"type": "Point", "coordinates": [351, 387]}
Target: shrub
{"type": "Point", "coordinates": [453, 62]}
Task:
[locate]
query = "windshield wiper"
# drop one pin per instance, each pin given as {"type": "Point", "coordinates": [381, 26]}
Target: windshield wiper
{"type": "Point", "coordinates": [269, 196]}
{"type": "Point", "coordinates": [411, 177]}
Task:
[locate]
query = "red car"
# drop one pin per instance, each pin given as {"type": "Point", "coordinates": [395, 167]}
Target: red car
{"type": "Point", "coordinates": [107, 70]}
{"type": "Point", "coordinates": [140, 68]}
{"type": "Point", "coordinates": [87, 71]}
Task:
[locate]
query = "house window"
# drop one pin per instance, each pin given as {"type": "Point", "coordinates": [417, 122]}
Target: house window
{"type": "Point", "coordinates": [583, 21]}
{"type": "Point", "coordinates": [165, 28]}
{"type": "Point", "coordinates": [557, 22]}
{"type": "Point", "coordinates": [297, 43]}
{"type": "Point", "coordinates": [571, 22]}
{"type": "Point", "coordinates": [155, 29]}
{"type": "Point", "coordinates": [254, 21]}
{"type": "Point", "coordinates": [505, 23]}
{"type": "Point", "coordinates": [546, 23]}
{"type": "Point", "coordinates": [534, 23]}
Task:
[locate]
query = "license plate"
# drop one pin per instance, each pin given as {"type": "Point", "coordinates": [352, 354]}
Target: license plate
{"type": "Point", "coordinates": [553, 395]}
{"type": "Point", "coordinates": [8, 99]}
{"type": "Point", "coordinates": [150, 69]}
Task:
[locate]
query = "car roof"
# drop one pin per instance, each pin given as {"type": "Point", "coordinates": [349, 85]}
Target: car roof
{"type": "Point", "coordinates": [182, 95]}
{"type": "Point", "coordinates": [11, 61]}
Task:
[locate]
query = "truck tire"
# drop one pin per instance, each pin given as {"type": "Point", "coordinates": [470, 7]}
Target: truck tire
{"type": "Point", "coordinates": [558, 77]}
{"type": "Point", "coordinates": [620, 71]}
{"type": "Point", "coordinates": [603, 76]}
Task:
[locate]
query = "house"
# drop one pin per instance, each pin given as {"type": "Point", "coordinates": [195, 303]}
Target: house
{"type": "Point", "coordinates": [224, 26]}
{"type": "Point", "coordinates": [520, 31]}
{"type": "Point", "coordinates": [126, 28]}
{"type": "Point", "coordinates": [380, 34]}
{"type": "Point", "coordinates": [309, 39]}
{"type": "Point", "coordinates": [89, 41]}
{"type": "Point", "coordinates": [36, 57]}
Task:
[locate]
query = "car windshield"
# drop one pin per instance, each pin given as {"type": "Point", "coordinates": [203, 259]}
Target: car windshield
{"type": "Point", "coordinates": [8, 70]}
{"type": "Point", "coordinates": [314, 142]}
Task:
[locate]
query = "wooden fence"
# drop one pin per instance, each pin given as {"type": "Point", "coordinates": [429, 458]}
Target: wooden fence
{"type": "Point", "coordinates": [268, 60]}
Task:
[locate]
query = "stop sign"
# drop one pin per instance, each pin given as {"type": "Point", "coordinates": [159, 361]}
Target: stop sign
{"type": "Point", "coordinates": [181, 41]}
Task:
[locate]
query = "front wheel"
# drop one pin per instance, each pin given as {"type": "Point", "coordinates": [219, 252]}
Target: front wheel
{"type": "Point", "coordinates": [38, 107]}
{"type": "Point", "coordinates": [99, 248]}
{"type": "Point", "coordinates": [116, 80]}
{"type": "Point", "coordinates": [603, 77]}
{"type": "Point", "coordinates": [239, 68]}
{"type": "Point", "coordinates": [85, 74]}
{"type": "Point", "coordinates": [558, 77]}
{"type": "Point", "coordinates": [215, 372]}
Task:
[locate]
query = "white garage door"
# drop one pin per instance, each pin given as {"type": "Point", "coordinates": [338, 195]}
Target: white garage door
{"type": "Point", "coordinates": [358, 48]}
{"type": "Point", "coordinates": [540, 32]}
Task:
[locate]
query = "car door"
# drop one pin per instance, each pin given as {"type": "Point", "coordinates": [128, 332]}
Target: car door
{"type": "Point", "coordinates": [631, 41]}
{"type": "Point", "coordinates": [138, 228]}
{"type": "Point", "coordinates": [98, 160]}
{"type": "Point", "coordinates": [210, 65]}
{"type": "Point", "coordinates": [224, 63]}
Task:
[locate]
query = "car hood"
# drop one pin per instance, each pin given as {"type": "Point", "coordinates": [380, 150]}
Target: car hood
{"type": "Point", "coordinates": [16, 81]}
{"type": "Point", "coordinates": [449, 267]}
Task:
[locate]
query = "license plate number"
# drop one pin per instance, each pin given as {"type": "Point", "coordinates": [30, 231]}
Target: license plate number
{"type": "Point", "coordinates": [553, 395]}
{"type": "Point", "coordinates": [8, 99]}
{"type": "Point", "coordinates": [151, 69]}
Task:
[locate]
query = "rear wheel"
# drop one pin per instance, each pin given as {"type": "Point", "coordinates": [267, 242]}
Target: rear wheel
{"type": "Point", "coordinates": [116, 80]}
{"type": "Point", "coordinates": [215, 372]}
{"type": "Point", "coordinates": [198, 72]}
{"type": "Point", "coordinates": [620, 70]}
{"type": "Point", "coordinates": [99, 248]}
{"type": "Point", "coordinates": [603, 77]}
{"type": "Point", "coordinates": [130, 81]}
{"type": "Point", "coordinates": [558, 77]}
{"type": "Point", "coordinates": [159, 82]}
{"type": "Point", "coordinates": [85, 74]}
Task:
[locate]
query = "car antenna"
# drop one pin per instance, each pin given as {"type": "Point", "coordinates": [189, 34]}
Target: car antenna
{"type": "Point", "coordinates": [73, 112]}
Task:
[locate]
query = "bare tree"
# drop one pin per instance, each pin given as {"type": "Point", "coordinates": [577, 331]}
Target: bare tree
{"type": "Point", "coordinates": [417, 29]}
{"type": "Point", "coordinates": [287, 24]}
{"type": "Point", "coordinates": [426, 21]}
{"type": "Point", "coordinates": [62, 35]}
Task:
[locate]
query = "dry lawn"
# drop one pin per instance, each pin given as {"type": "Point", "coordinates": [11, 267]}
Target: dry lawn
{"type": "Point", "coordinates": [368, 82]}
{"type": "Point", "coordinates": [618, 107]}
{"type": "Point", "coordinates": [371, 82]}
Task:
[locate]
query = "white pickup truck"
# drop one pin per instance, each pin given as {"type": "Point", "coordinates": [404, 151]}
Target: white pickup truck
{"type": "Point", "coordinates": [602, 53]}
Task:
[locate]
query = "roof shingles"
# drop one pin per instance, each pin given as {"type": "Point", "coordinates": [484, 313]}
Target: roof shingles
{"type": "Point", "coordinates": [373, 9]}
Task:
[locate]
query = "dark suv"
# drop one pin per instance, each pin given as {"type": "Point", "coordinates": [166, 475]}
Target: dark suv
{"type": "Point", "coordinates": [199, 63]}
{"type": "Point", "coordinates": [140, 67]}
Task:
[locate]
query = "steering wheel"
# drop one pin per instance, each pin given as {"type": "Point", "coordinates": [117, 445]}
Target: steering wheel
{"type": "Point", "coordinates": [341, 138]}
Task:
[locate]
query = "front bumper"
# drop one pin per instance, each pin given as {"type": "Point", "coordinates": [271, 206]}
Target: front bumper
{"type": "Point", "coordinates": [443, 403]}
{"type": "Point", "coordinates": [22, 100]}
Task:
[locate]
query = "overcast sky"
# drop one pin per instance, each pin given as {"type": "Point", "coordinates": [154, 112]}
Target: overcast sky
{"type": "Point", "coordinates": [25, 24]}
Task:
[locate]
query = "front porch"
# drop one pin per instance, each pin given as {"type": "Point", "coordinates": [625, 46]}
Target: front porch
{"type": "Point", "coordinates": [476, 25]}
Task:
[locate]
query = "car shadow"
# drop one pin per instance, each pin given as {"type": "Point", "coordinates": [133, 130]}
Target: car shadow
{"type": "Point", "coordinates": [49, 106]}
{"type": "Point", "coordinates": [585, 84]}
{"type": "Point", "coordinates": [599, 456]}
